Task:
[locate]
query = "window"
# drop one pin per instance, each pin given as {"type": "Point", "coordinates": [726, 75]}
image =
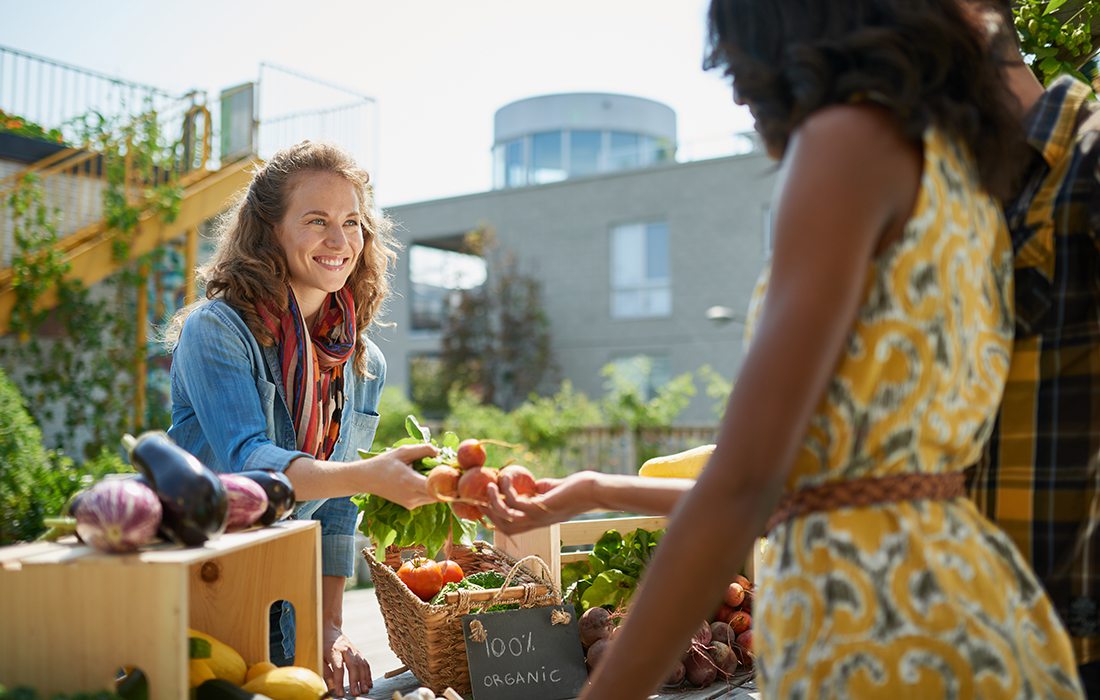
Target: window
{"type": "Point", "coordinates": [515, 166]}
{"type": "Point", "coordinates": [546, 158]}
{"type": "Point", "coordinates": [640, 283]}
{"type": "Point", "coordinates": [624, 151]}
{"type": "Point", "coordinates": [436, 277]}
{"type": "Point", "coordinates": [647, 373]}
{"type": "Point", "coordinates": [584, 152]}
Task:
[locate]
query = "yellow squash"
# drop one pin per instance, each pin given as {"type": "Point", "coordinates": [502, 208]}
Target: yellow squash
{"type": "Point", "coordinates": [682, 465]}
{"type": "Point", "coordinates": [258, 669]}
{"type": "Point", "coordinates": [198, 673]}
{"type": "Point", "coordinates": [289, 683]}
{"type": "Point", "coordinates": [224, 660]}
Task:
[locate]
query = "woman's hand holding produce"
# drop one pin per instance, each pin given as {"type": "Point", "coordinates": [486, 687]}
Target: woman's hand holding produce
{"type": "Point", "coordinates": [396, 480]}
{"type": "Point", "coordinates": [516, 504]}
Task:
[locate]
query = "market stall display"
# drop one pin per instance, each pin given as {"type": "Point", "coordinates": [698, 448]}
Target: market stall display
{"type": "Point", "coordinates": [427, 635]}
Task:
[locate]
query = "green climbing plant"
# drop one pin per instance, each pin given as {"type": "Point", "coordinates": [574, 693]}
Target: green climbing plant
{"type": "Point", "coordinates": [77, 363]}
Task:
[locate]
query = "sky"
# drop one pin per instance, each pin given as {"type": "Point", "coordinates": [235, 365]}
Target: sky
{"type": "Point", "coordinates": [437, 70]}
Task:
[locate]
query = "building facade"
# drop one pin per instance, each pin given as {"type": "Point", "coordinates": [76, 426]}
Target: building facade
{"type": "Point", "coordinates": [653, 259]}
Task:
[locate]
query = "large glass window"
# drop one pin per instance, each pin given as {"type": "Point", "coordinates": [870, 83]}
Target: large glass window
{"type": "Point", "coordinates": [546, 158]}
{"type": "Point", "coordinates": [436, 276]}
{"type": "Point", "coordinates": [515, 164]}
{"type": "Point", "coordinates": [550, 156]}
{"type": "Point", "coordinates": [640, 280]}
{"type": "Point", "coordinates": [624, 151]}
{"type": "Point", "coordinates": [584, 152]}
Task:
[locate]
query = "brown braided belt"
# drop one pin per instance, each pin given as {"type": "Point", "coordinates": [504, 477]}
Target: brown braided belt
{"type": "Point", "coordinates": [868, 491]}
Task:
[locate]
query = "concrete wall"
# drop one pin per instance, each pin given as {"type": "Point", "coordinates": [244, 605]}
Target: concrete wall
{"type": "Point", "coordinates": [715, 210]}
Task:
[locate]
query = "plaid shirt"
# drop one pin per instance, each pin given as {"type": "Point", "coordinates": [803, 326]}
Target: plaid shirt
{"type": "Point", "coordinates": [1039, 478]}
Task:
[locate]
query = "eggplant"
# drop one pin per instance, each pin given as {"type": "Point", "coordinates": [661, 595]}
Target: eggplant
{"type": "Point", "coordinates": [118, 515]}
{"type": "Point", "coordinates": [279, 490]}
{"type": "Point", "coordinates": [194, 501]}
{"type": "Point", "coordinates": [247, 500]}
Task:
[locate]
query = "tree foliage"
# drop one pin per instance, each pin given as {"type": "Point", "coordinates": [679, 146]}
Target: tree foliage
{"type": "Point", "coordinates": [1059, 36]}
{"type": "Point", "coordinates": [496, 340]}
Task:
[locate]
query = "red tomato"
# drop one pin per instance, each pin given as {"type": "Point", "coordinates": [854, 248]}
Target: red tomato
{"type": "Point", "coordinates": [452, 572]}
{"type": "Point", "coordinates": [423, 577]}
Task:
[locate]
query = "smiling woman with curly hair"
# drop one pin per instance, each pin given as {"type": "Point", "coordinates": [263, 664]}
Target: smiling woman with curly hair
{"type": "Point", "coordinates": [274, 370]}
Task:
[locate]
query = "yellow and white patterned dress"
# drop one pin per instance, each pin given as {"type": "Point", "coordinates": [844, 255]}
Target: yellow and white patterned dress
{"type": "Point", "coordinates": [912, 599]}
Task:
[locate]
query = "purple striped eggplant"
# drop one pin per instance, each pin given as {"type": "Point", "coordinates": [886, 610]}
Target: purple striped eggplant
{"type": "Point", "coordinates": [118, 515]}
{"type": "Point", "coordinates": [247, 501]}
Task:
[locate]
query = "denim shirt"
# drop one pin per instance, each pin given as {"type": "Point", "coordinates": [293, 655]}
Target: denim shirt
{"type": "Point", "coordinates": [229, 410]}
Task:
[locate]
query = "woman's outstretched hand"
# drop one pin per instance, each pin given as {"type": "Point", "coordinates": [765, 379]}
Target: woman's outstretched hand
{"type": "Point", "coordinates": [556, 500]}
{"type": "Point", "coordinates": [393, 478]}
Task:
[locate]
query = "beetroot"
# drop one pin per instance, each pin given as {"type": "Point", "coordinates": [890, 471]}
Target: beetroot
{"type": "Point", "coordinates": [702, 635]}
{"type": "Point", "coordinates": [699, 669]}
{"type": "Point", "coordinates": [470, 454]}
{"type": "Point", "coordinates": [723, 613]}
{"type": "Point", "coordinates": [522, 480]}
{"type": "Point", "coordinates": [443, 482]}
{"type": "Point", "coordinates": [677, 676]}
{"type": "Point", "coordinates": [118, 515]}
{"type": "Point", "coordinates": [595, 653]}
{"type": "Point", "coordinates": [721, 632]}
{"type": "Point", "coordinates": [734, 595]}
{"type": "Point", "coordinates": [744, 640]}
{"type": "Point", "coordinates": [740, 621]}
{"type": "Point", "coordinates": [247, 501]}
{"type": "Point", "coordinates": [744, 643]}
{"type": "Point", "coordinates": [595, 624]}
{"type": "Point", "coordinates": [724, 658]}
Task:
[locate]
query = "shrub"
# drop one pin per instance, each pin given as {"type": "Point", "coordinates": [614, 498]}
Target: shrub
{"type": "Point", "coordinates": [392, 409]}
{"type": "Point", "coordinates": [36, 483]}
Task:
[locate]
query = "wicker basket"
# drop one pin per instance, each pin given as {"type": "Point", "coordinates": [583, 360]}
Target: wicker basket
{"type": "Point", "coordinates": [428, 638]}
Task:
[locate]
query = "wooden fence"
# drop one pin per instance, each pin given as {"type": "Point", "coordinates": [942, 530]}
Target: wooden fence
{"type": "Point", "coordinates": [622, 450]}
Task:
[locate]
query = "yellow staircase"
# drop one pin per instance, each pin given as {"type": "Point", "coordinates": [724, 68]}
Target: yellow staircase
{"type": "Point", "coordinates": [74, 180]}
{"type": "Point", "coordinates": [72, 187]}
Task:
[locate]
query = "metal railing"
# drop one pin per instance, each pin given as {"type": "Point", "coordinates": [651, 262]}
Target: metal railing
{"type": "Point", "coordinates": [336, 113]}
{"type": "Point", "coordinates": [84, 107]}
{"type": "Point", "coordinates": [57, 95]}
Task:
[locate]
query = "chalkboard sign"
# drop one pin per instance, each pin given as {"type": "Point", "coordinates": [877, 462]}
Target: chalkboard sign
{"type": "Point", "coordinates": [532, 653]}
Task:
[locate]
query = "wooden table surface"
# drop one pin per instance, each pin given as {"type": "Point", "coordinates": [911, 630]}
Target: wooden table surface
{"type": "Point", "coordinates": [740, 687]}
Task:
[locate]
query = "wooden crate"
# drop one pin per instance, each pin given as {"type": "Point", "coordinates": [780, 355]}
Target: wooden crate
{"type": "Point", "coordinates": [71, 616]}
{"type": "Point", "coordinates": [549, 541]}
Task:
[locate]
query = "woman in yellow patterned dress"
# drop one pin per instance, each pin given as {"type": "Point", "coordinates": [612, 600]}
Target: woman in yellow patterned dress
{"type": "Point", "coordinates": [878, 360]}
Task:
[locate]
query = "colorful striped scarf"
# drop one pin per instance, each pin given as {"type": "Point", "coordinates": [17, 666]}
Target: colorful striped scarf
{"type": "Point", "coordinates": [312, 364]}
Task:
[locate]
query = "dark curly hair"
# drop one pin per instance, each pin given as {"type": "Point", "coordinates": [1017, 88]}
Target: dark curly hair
{"type": "Point", "coordinates": [925, 60]}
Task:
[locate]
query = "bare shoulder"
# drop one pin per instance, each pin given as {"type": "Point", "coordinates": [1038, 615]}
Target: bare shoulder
{"type": "Point", "coordinates": [860, 147]}
{"type": "Point", "coordinates": [860, 128]}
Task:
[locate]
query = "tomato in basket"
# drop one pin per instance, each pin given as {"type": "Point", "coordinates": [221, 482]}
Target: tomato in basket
{"type": "Point", "coordinates": [423, 576]}
{"type": "Point", "coordinates": [452, 572]}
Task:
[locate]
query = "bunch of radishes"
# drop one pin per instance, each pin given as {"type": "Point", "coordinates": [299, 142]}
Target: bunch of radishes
{"type": "Point", "coordinates": [464, 485]}
{"type": "Point", "coordinates": [718, 649]}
